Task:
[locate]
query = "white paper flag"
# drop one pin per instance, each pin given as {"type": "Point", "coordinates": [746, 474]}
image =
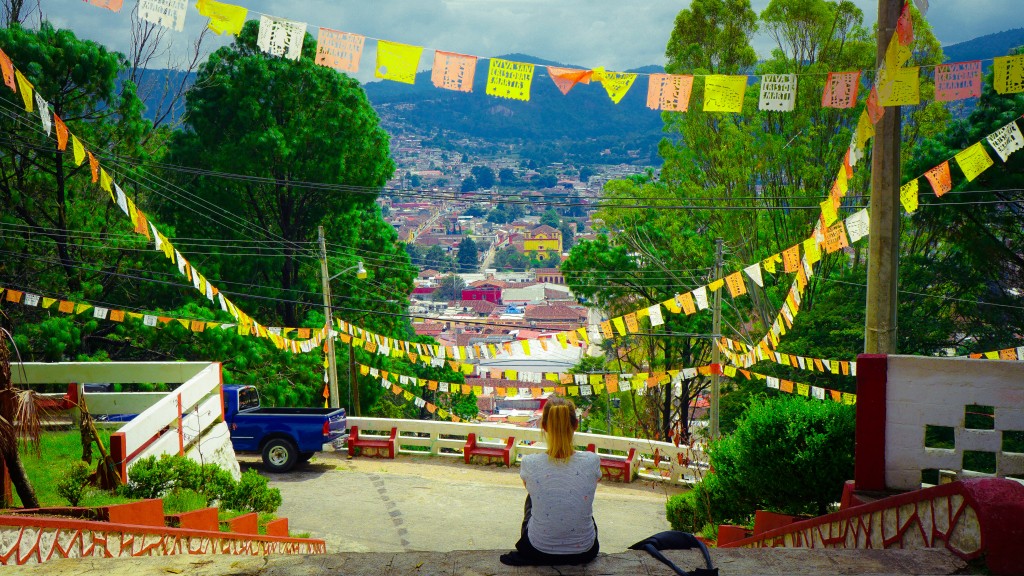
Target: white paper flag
{"type": "Point", "coordinates": [281, 37]}
{"type": "Point", "coordinates": [149, 320]}
{"type": "Point", "coordinates": [754, 271]}
{"type": "Point", "coordinates": [580, 379]}
{"type": "Point", "coordinates": [624, 386]}
{"type": "Point", "coordinates": [773, 382]}
{"type": "Point", "coordinates": [586, 390]}
{"type": "Point", "coordinates": [818, 393]}
{"type": "Point", "coordinates": [1006, 140]}
{"type": "Point", "coordinates": [827, 364]}
{"type": "Point", "coordinates": [44, 114]}
{"type": "Point", "coordinates": [654, 313]}
{"type": "Point", "coordinates": [166, 13]}
{"type": "Point", "coordinates": [419, 402]}
{"type": "Point", "coordinates": [31, 299]}
{"type": "Point", "coordinates": [778, 92]}
{"type": "Point", "coordinates": [701, 296]}
{"type": "Point", "coordinates": [122, 200]}
{"type": "Point", "coordinates": [442, 386]}
{"type": "Point", "coordinates": [689, 373]}
{"type": "Point", "coordinates": [100, 313]}
{"type": "Point", "coordinates": [857, 225]}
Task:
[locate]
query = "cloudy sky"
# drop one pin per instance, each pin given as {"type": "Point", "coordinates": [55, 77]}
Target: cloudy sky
{"type": "Point", "coordinates": [615, 34]}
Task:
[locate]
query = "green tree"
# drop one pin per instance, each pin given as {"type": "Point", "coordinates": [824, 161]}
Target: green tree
{"type": "Point", "coordinates": [585, 173]}
{"type": "Point", "coordinates": [449, 289]}
{"type": "Point", "coordinates": [484, 176]}
{"type": "Point", "coordinates": [508, 258]}
{"type": "Point", "coordinates": [468, 255]}
{"type": "Point", "coordinates": [469, 184]}
{"type": "Point", "coordinates": [281, 123]}
{"type": "Point", "coordinates": [507, 177]}
{"type": "Point", "coordinates": [437, 259]}
{"type": "Point", "coordinates": [550, 218]}
{"type": "Point", "coordinates": [568, 236]}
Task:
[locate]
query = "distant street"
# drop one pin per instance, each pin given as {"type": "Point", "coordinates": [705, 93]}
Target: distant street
{"type": "Point", "coordinates": [437, 504]}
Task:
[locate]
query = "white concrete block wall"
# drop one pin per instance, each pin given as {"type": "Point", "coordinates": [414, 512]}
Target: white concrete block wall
{"type": "Point", "coordinates": [922, 391]}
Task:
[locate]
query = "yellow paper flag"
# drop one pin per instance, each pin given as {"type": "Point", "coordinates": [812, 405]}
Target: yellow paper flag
{"type": "Point", "coordinates": [865, 130]}
{"type": "Point", "coordinates": [716, 285]}
{"type": "Point", "coordinates": [25, 87]}
{"type": "Point", "coordinates": [902, 88]}
{"type": "Point", "coordinates": [828, 212]}
{"type": "Point", "coordinates": [616, 84]}
{"type": "Point", "coordinates": [620, 325]}
{"type": "Point", "coordinates": [973, 161]}
{"type": "Point", "coordinates": [724, 93]}
{"type": "Point", "coordinates": [1008, 74]}
{"type": "Point", "coordinates": [223, 17]}
{"type": "Point", "coordinates": [811, 250]}
{"type": "Point", "coordinates": [78, 149]}
{"type": "Point", "coordinates": [397, 62]}
{"type": "Point", "coordinates": [908, 195]}
{"type": "Point", "coordinates": [507, 79]}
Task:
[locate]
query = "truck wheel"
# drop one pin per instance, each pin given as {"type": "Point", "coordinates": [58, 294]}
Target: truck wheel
{"type": "Point", "coordinates": [279, 455]}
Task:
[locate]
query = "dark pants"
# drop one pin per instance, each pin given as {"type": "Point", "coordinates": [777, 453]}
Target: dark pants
{"type": "Point", "coordinates": [534, 556]}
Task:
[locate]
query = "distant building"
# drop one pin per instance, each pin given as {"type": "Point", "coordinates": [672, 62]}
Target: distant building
{"type": "Point", "coordinates": [550, 276]}
{"type": "Point", "coordinates": [541, 241]}
{"type": "Point", "coordinates": [488, 290]}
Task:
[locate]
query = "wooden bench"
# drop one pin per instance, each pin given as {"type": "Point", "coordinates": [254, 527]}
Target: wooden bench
{"type": "Point", "coordinates": [375, 446]}
{"type": "Point", "coordinates": [616, 467]}
{"type": "Point", "coordinates": [474, 449]}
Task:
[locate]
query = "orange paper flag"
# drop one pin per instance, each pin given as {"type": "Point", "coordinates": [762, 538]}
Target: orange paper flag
{"type": "Point", "coordinates": [669, 92]}
{"type": "Point", "coordinates": [339, 50]}
{"type": "Point", "coordinates": [791, 258]}
{"type": "Point", "coordinates": [939, 178]}
{"type": "Point", "coordinates": [840, 90]}
{"type": "Point", "coordinates": [566, 78]}
{"type": "Point", "coordinates": [453, 71]}
{"type": "Point", "coordinates": [62, 133]}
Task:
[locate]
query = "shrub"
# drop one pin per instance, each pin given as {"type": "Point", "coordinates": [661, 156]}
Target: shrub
{"type": "Point", "coordinates": [74, 482]}
{"type": "Point", "coordinates": [707, 503]}
{"type": "Point", "coordinates": [180, 500]}
{"type": "Point", "coordinates": [154, 477]}
{"type": "Point", "coordinates": [788, 454]}
{"type": "Point", "coordinates": [252, 494]}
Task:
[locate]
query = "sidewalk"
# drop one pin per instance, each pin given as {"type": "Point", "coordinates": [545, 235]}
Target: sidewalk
{"type": "Point", "coordinates": [439, 504]}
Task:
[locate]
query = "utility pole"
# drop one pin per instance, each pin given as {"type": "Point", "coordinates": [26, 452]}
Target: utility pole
{"type": "Point", "coordinates": [716, 335]}
{"type": "Point", "coordinates": [884, 230]}
{"type": "Point", "coordinates": [353, 386]}
{"type": "Point", "coordinates": [332, 366]}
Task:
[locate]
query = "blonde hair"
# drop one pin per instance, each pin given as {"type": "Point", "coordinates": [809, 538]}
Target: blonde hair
{"type": "Point", "coordinates": [559, 422]}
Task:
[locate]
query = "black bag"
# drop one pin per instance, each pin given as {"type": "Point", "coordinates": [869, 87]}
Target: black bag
{"type": "Point", "coordinates": [674, 540]}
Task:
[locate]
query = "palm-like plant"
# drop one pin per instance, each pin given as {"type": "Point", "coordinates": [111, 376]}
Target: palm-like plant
{"type": "Point", "coordinates": [19, 425]}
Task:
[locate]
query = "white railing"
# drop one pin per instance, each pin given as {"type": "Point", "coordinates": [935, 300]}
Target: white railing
{"type": "Point", "coordinates": [447, 439]}
{"type": "Point", "coordinates": [188, 421]}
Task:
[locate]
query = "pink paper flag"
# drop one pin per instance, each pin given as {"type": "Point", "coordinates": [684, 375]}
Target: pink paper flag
{"type": "Point", "coordinates": [112, 5]}
{"type": "Point", "coordinates": [840, 90]}
{"type": "Point", "coordinates": [453, 71]}
{"type": "Point", "coordinates": [669, 92]}
{"type": "Point", "coordinates": [566, 78]}
{"type": "Point", "coordinates": [339, 50]}
{"type": "Point", "coordinates": [957, 81]}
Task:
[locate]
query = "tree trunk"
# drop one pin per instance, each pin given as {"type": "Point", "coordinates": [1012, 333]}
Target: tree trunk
{"type": "Point", "coordinates": [20, 479]}
{"type": "Point", "coordinates": [86, 433]}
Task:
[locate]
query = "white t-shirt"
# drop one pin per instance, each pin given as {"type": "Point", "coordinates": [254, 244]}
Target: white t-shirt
{"type": "Point", "coordinates": [562, 493]}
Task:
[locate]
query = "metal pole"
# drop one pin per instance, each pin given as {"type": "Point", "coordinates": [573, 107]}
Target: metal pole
{"type": "Point", "coordinates": [332, 367]}
{"type": "Point", "coordinates": [353, 386]}
{"type": "Point", "coordinates": [884, 231]}
{"type": "Point", "coordinates": [716, 335]}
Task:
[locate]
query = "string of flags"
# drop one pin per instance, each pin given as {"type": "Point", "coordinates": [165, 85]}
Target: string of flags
{"type": "Point", "coordinates": [740, 354]}
{"type": "Point", "coordinates": [308, 339]}
{"type": "Point", "coordinates": [807, 390]}
{"type": "Point", "coordinates": [399, 62]}
{"type": "Point", "coordinates": [1004, 354]}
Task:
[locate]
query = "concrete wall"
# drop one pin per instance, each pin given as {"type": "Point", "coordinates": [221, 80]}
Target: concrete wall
{"type": "Point", "coordinates": [923, 391]}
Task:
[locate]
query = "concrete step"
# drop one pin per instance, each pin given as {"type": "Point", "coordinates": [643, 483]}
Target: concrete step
{"type": "Point", "coordinates": [731, 562]}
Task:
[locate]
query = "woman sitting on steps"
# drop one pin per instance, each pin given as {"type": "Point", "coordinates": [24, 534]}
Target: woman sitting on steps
{"type": "Point", "coordinates": [558, 524]}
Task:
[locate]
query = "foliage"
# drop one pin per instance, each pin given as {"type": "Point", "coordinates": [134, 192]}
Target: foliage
{"type": "Point", "coordinates": [46, 468]}
{"type": "Point", "coordinates": [807, 442]}
{"type": "Point", "coordinates": [154, 477]}
{"type": "Point", "coordinates": [484, 176]}
{"type": "Point", "coordinates": [252, 493]}
{"type": "Point", "coordinates": [469, 184]}
{"type": "Point", "coordinates": [74, 482]}
{"type": "Point", "coordinates": [180, 500]}
{"type": "Point", "coordinates": [550, 218]}
{"type": "Point", "coordinates": [449, 288]}
{"type": "Point", "coordinates": [468, 255]}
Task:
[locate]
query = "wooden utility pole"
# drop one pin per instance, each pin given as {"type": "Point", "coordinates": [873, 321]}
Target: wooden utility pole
{"type": "Point", "coordinates": [716, 335]}
{"type": "Point", "coordinates": [332, 366]}
{"type": "Point", "coordinates": [884, 236]}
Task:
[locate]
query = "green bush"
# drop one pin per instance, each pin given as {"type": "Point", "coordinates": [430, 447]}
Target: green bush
{"type": "Point", "coordinates": [788, 454]}
{"type": "Point", "coordinates": [154, 477]}
{"type": "Point", "coordinates": [74, 482]}
{"type": "Point", "coordinates": [180, 500]}
{"type": "Point", "coordinates": [707, 503]}
{"type": "Point", "coordinates": [252, 494]}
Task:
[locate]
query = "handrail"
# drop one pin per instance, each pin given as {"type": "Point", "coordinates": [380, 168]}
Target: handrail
{"type": "Point", "coordinates": [681, 464]}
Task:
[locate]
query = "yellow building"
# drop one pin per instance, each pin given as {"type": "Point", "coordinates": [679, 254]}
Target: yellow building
{"type": "Point", "coordinates": [543, 239]}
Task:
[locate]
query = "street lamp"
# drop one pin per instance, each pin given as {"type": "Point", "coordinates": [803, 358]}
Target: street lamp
{"type": "Point", "coordinates": [332, 366]}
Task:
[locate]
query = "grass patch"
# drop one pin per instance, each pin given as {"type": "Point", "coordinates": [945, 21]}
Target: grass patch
{"type": "Point", "coordinates": [262, 519]}
{"type": "Point", "coordinates": [57, 451]}
{"type": "Point", "coordinates": [178, 501]}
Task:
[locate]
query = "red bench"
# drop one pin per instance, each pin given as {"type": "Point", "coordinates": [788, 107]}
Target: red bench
{"type": "Point", "coordinates": [615, 467]}
{"type": "Point", "coordinates": [372, 447]}
{"type": "Point", "coordinates": [474, 449]}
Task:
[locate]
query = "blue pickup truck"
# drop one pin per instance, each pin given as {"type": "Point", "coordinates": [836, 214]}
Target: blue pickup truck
{"type": "Point", "coordinates": [284, 436]}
